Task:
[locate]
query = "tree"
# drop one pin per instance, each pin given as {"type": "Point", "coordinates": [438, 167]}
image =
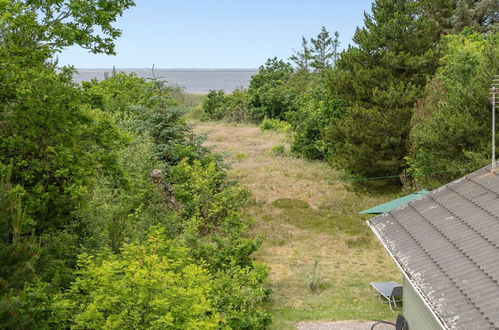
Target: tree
{"type": "Point", "coordinates": [324, 49]}
{"type": "Point", "coordinates": [267, 97]}
{"type": "Point", "coordinates": [380, 79]}
{"type": "Point", "coordinates": [62, 23]}
{"type": "Point", "coordinates": [55, 141]}
{"type": "Point", "coordinates": [302, 57]}
{"type": "Point", "coordinates": [481, 15]}
{"type": "Point", "coordinates": [451, 125]}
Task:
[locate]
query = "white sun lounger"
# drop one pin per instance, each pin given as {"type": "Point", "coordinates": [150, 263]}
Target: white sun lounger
{"type": "Point", "coordinates": [388, 292]}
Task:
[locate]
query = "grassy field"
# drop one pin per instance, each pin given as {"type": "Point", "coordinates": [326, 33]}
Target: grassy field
{"type": "Point", "coordinates": [320, 252]}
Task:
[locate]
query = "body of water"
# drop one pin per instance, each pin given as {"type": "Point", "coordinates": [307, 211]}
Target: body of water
{"type": "Point", "coordinates": [194, 81]}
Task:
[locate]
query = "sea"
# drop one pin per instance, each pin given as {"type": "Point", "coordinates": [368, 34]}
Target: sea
{"type": "Point", "coordinates": [193, 81]}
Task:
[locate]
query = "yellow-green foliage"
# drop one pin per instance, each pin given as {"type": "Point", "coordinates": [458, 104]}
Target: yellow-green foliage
{"type": "Point", "coordinates": [153, 285]}
{"type": "Point", "coordinates": [269, 124]}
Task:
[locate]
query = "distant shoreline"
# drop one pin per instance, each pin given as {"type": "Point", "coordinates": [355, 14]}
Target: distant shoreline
{"type": "Point", "coordinates": [174, 69]}
{"type": "Point", "coordinates": [192, 80]}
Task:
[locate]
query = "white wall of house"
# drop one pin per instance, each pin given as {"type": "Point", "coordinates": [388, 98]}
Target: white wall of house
{"type": "Point", "coordinates": [417, 314]}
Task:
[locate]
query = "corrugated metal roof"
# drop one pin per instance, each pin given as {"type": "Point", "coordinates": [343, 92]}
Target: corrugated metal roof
{"type": "Point", "coordinates": [385, 207]}
{"type": "Point", "coordinates": [447, 243]}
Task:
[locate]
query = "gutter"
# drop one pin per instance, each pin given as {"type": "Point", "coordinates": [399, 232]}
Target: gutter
{"type": "Point", "coordinates": [414, 285]}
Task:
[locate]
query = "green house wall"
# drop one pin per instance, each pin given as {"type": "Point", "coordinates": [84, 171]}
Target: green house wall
{"type": "Point", "coordinates": [417, 314]}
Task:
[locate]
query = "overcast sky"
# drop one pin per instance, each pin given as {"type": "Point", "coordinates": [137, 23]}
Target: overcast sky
{"type": "Point", "coordinates": [219, 33]}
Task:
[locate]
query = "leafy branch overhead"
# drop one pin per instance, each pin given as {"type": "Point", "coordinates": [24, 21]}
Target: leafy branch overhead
{"type": "Point", "coordinates": [63, 23]}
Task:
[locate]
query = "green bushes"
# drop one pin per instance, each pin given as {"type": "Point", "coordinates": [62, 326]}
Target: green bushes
{"type": "Point", "coordinates": [95, 269]}
{"type": "Point", "coordinates": [316, 112]}
{"type": "Point", "coordinates": [214, 105]}
{"type": "Point", "coordinates": [233, 107]}
{"type": "Point", "coordinates": [153, 285]}
{"type": "Point", "coordinates": [451, 124]}
{"type": "Point", "coordinates": [208, 218]}
{"type": "Point", "coordinates": [89, 238]}
{"type": "Point", "coordinates": [268, 98]}
{"type": "Point", "coordinates": [54, 141]}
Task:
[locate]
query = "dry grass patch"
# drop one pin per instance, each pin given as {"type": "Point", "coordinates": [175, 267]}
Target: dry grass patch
{"type": "Point", "coordinates": [305, 221]}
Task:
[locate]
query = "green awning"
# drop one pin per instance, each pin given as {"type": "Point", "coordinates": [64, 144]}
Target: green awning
{"type": "Point", "coordinates": [382, 208]}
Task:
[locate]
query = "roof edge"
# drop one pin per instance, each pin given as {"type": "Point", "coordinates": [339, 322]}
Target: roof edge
{"type": "Point", "coordinates": [418, 290]}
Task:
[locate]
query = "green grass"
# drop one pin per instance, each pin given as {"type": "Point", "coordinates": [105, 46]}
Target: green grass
{"type": "Point", "coordinates": [350, 257]}
{"type": "Point", "coordinates": [303, 220]}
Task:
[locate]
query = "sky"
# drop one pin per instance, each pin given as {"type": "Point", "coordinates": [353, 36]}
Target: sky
{"type": "Point", "coordinates": [219, 33]}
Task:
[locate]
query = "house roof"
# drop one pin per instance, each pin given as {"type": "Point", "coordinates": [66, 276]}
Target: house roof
{"type": "Point", "coordinates": [447, 244]}
{"type": "Point", "coordinates": [385, 207]}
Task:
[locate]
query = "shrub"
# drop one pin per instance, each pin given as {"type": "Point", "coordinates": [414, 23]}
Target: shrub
{"type": "Point", "coordinates": [317, 110]}
{"type": "Point", "coordinates": [55, 142]}
{"type": "Point", "coordinates": [214, 105]}
{"type": "Point", "coordinates": [232, 107]}
{"type": "Point", "coordinates": [237, 106]}
{"type": "Point", "coordinates": [267, 97]}
{"type": "Point", "coordinates": [451, 125]}
{"type": "Point", "coordinates": [153, 285]}
{"type": "Point", "coordinates": [275, 125]}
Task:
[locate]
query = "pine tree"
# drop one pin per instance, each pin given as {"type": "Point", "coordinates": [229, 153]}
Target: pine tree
{"type": "Point", "coordinates": [380, 79]}
{"type": "Point", "coordinates": [324, 49]}
{"type": "Point", "coordinates": [302, 57]}
{"type": "Point", "coordinates": [18, 253]}
{"type": "Point", "coordinates": [481, 15]}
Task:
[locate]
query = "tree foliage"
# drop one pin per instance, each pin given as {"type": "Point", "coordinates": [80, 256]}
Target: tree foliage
{"type": "Point", "coordinates": [153, 285]}
{"type": "Point", "coordinates": [324, 50]}
{"type": "Point", "coordinates": [63, 23]}
{"type": "Point", "coordinates": [77, 200]}
{"type": "Point", "coordinates": [380, 79]}
{"type": "Point", "coordinates": [302, 57]}
{"type": "Point", "coordinates": [481, 15]}
{"type": "Point", "coordinates": [451, 124]}
{"type": "Point", "coordinates": [267, 95]}
{"type": "Point", "coordinates": [54, 141]}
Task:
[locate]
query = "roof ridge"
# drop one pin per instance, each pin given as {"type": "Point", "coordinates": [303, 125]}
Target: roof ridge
{"type": "Point", "coordinates": [471, 301]}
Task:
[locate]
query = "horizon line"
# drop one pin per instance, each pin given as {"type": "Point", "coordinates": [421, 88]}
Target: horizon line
{"type": "Point", "coordinates": [137, 68]}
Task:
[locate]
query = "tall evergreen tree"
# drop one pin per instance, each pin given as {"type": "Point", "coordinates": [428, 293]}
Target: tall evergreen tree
{"type": "Point", "coordinates": [481, 15]}
{"type": "Point", "coordinates": [324, 49]}
{"type": "Point", "coordinates": [302, 57]}
{"type": "Point", "coordinates": [380, 79]}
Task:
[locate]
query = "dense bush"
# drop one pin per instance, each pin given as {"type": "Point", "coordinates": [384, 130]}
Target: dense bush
{"type": "Point", "coordinates": [78, 201]}
{"type": "Point", "coordinates": [268, 98]}
{"type": "Point", "coordinates": [55, 142]}
{"type": "Point", "coordinates": [215, 105]}
{"type": "Point", "coordinates": [451, 124]}
{"type": "Point", "coordinates": [317, 110]}
{"type": "Point", "coordinates": [232, 107]}
{"type": "Point", "coordinates": [114, 217]}
{"type": "Point", "coordinates": [153, 285]}
{"type": "Point", "coordinates": [208, 218]}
